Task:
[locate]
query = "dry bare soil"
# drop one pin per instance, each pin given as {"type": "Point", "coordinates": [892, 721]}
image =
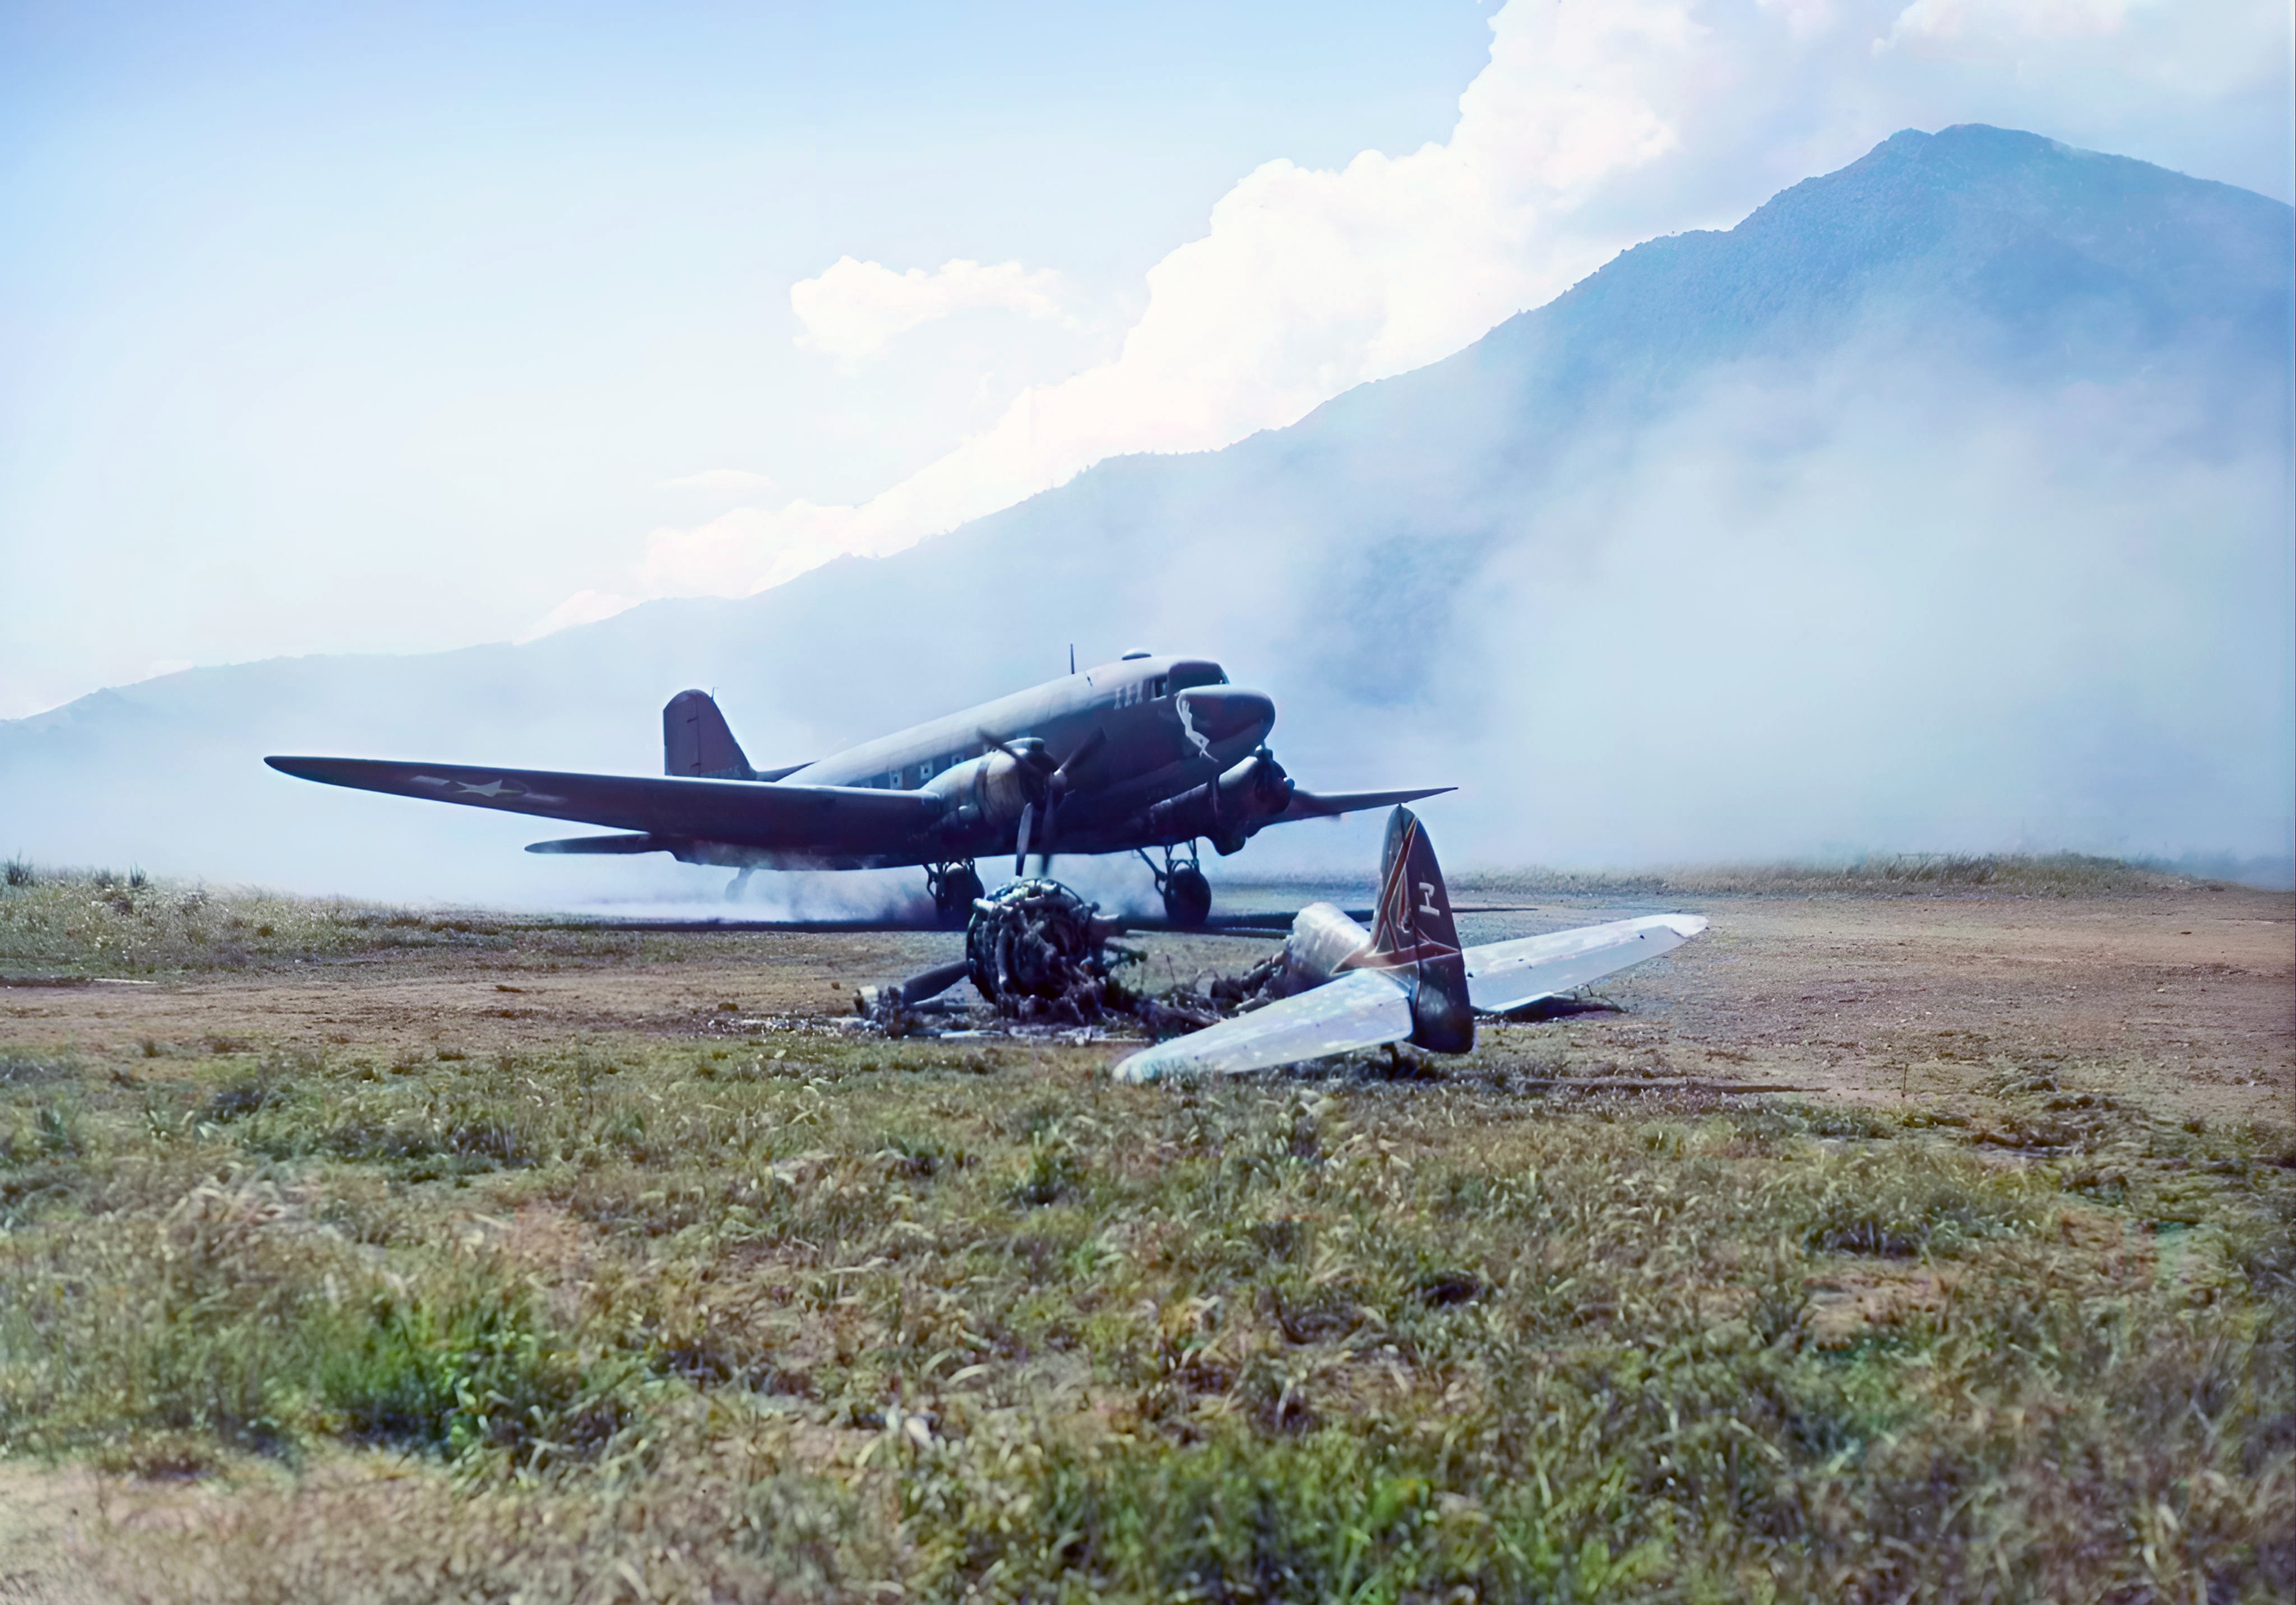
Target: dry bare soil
{"type": "Point", "coordinates": [357, 1254]}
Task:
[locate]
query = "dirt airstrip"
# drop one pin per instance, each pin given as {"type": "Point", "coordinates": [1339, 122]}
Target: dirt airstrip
{"type": "Point", "coordinates": [2183, 1000]}
{"type": "Point", "coordinates": [2012, 1017]}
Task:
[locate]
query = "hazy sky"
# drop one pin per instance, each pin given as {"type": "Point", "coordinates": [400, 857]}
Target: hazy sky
{"type": "Point", "coordinates": [324, 328]}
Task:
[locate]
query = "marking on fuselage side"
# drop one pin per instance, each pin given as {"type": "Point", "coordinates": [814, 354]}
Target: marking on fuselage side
{"type": "Point", "coordinates": [1188, 726]}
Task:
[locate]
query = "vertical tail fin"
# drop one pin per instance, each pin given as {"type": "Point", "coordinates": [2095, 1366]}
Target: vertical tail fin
{"type": "Point", "coordinates": [1414, 937]}
{"type": "Point", "coordinates": [696, 742]}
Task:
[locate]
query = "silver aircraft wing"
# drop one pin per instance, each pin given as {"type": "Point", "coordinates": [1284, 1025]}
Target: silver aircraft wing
{"type": "Point", "coordinates": [774, 815]}
{"type": "Point", "coordinates": [1507, 975]}
{"type": "Point", "coordinates": [1361, 1009]}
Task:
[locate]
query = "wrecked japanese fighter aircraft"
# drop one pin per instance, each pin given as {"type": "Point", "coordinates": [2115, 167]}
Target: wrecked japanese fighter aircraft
{"type": "Point", "coordinates": [1147, 753]}
{"type": "Point", "coordinates": [1340, 988]}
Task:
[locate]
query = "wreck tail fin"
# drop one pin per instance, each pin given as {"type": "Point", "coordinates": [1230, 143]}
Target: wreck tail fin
{"type": "Point", "coordinates": [1414, 937]}
{"type": "Point", "coordinates": [696, 742]}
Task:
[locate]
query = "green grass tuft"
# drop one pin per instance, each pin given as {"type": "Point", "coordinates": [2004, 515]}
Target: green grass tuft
{"type": "Point", "coordinates": [983, 1324]}
{"type": "Point", "coordinates": [2011, 874]}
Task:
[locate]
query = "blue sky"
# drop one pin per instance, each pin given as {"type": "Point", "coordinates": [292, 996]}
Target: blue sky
{"type": "Point", "coordinates": [343, 329]}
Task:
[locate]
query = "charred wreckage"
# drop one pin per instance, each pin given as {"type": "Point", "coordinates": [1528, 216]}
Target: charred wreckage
{"type": "Point", "coordinates": [1039, 954]}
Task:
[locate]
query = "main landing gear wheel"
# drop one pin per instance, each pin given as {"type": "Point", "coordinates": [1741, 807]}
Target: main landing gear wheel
{"type": "Point", "coordinates": [1187, 896]}
{"type": "Point", "coordinates": [954, 888]}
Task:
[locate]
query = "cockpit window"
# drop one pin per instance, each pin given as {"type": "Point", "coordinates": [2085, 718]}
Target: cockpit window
{"type": "Point", "coordinates": [1186, 675]}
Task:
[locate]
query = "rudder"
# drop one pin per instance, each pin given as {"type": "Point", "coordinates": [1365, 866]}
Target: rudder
{"type": "Point", "coordinates": [697, 744]}
{"type": "Point", "coordinates": [1415, 936]}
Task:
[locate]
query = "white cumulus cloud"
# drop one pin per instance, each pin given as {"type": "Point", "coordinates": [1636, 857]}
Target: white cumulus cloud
{"type": "Point", "coordinates": [1596, 124]}
{"type": "Point", "coordinates": [1994, 20]}
{"type": "Point", "coordinates": [855, 308]}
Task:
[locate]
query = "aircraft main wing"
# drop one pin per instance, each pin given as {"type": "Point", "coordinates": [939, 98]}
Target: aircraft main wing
{"type": "Point", "coordinates": [1308, 805]}
{"type": "Point", "coordinates": [774, 815]}
{"type": "Point", "coordinates": [1507, 975]}
{"type": "Point", "coordinates": [1361, 1009]}
{"type": "Point", "coordinates": [1369, 1008]}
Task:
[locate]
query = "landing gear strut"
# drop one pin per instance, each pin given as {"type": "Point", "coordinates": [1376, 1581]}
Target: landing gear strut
{"type": "Point", "coordinates": [954, 888]}
{"type": "Point", "coordinates": [1187, 895]}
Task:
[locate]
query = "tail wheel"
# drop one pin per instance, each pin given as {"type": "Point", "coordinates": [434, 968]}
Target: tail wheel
{"type": "Point", "coordinates": [1187, 896]}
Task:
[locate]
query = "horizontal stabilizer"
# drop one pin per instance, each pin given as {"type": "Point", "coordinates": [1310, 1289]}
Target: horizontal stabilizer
{"type": "Point", "coordinates": [1362, 1009]}
{"type": "Point", "coordinates": [642, 842]}
{"type": "Point", "coordinates": [1508, 975]}
{"type": "Point", "coordinates": [1331, 805]}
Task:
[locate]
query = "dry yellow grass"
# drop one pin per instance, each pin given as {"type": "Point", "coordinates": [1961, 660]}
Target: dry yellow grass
{"type": "Point", "coordinates": [757, 1313]}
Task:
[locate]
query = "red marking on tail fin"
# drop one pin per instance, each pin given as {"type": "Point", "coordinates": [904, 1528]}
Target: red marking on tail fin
{"type": "Point", "coordinates": [1412, 922]}
{"type": "Point", "coordinates": [1414, 937]}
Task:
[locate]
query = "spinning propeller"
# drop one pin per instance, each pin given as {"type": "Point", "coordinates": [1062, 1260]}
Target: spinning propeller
{"type": "Point", "coordinates": [1044, 784]}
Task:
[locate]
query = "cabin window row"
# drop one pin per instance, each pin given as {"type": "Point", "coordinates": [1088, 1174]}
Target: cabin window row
{"type": "Point", "coordinates": [910, 776]}
{"type": "Point", "coordinates": [913, 776]}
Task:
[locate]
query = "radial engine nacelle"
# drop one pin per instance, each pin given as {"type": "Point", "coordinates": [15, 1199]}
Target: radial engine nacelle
{"type": "Point", "coordinates": [990, 790]}
{"type": "Point", "coordinates": [1227, 810]}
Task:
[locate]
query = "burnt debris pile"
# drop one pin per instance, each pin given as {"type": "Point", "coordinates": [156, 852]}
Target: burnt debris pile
{"type": "Point", "coordinates": [1038, 954]}
{"type": "Point", "coordinates": [1210, 999]}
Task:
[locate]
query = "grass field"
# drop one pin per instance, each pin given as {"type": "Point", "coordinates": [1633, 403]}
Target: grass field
{"type": "Point", "coordinates": [70, 924]}
{"type": "Point", "coordinates": [791, 1312]}
{"type": "Point", "coordinates": [99, 921]}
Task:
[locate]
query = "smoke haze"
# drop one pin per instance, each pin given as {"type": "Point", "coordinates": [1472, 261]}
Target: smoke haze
{"type": "Point", "coordinates": [1804, 617]}
{"type": "Point", "coordinates": [1943, 505]}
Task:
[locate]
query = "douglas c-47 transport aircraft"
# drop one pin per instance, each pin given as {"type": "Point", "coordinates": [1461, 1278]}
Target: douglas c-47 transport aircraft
{"type": "Point", "coordinates": [1145, 753]}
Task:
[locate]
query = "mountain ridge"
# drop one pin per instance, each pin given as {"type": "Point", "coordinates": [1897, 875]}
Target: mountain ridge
{"type": "Point", "coordinates": [1972, 269]}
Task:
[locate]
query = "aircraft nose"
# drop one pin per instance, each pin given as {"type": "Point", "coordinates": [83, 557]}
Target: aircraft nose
{"type": "Point", "coordinates": [1226, 714]}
